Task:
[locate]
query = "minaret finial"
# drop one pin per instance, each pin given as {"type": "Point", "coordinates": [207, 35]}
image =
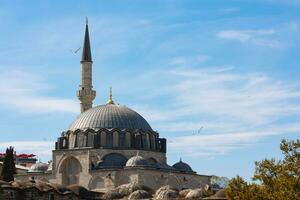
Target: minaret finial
{"type": "Point", "coordinates": [180, 159]}
{"type": "Point", "coordinates": [110, 100]}
{"type": "Point", "coordinates": [86, 20]}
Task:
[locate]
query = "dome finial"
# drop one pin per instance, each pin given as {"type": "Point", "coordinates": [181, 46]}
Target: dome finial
{"type": "Point", "coordinates": [110, 100]}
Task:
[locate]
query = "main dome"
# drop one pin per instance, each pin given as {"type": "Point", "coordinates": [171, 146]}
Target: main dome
{"type": "Point", "coordinates": [110, 116]}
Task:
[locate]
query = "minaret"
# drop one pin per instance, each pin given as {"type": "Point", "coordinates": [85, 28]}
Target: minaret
{"type": "Point", "coordinates": [86, 94]}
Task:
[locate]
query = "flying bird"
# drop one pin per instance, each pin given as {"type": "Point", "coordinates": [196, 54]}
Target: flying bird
{"type": "Point", "coordinates": [75, 51]}
{"type": "Point", "coordinates": [200, 130]}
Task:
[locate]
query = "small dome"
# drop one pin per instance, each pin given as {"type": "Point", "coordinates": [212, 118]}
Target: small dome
{"type": "Point", "coordinates": [39, 167]}
{"type": "Point", "coordinates": [110, 116]}
{"type": "Point", "coordinates": [182, 166]}
{"type": "Point", "coordinates": [137, 161]}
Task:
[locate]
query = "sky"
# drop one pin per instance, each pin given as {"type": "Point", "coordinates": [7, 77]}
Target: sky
{"type": "Point", "coordinates": [219, 79]}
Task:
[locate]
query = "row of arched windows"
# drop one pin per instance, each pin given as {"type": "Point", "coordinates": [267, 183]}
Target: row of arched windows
{"type": "Point", "coordinates": [104, 139]}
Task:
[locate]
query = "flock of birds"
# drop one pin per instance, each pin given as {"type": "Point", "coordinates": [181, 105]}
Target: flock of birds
{"type": "Point", "coordinates": [194, 133]}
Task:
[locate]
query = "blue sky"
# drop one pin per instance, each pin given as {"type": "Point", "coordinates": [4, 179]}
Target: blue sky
{"type": "Point", "coordinates": [231, 67]}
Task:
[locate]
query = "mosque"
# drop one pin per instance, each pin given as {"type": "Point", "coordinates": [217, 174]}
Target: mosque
{"type": "Point", "coordinates": [110, 145]}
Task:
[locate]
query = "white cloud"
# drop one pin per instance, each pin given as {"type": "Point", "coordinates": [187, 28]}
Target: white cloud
{"type": "Point", "coordinates": [235, 110]}
{"type": "Point", "coordinates": [249, 98]}
{"type": "Point", "coordinates": [20, 91]}
{"type": "Point", "coordinates": [219, 144]}
{"type": "Point", "coordinates": [244, 108]}
{"type": "Point", "coordinates": [261, 37]}
{"type": "Point", "coordinates": [189, 60]}
{"type": "Point", "coordinates": [214, 144]}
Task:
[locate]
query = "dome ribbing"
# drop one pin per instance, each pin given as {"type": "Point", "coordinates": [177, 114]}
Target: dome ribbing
{"type": "Point", "coordinates": [110, 116]}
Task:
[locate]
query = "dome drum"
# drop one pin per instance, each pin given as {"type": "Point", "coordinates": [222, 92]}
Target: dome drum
{"type": "Point", "coordinates": [112, 139]}
{"type": "Point", "coordinates": [111, 126]}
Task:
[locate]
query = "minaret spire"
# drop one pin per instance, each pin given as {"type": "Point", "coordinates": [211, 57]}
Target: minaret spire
{"type": "Point", "coordinates": [86, 49]}
{"type": "Point", "coordinates": [86, 94]}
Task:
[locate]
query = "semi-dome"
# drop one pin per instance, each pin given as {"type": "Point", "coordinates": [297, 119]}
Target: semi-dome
{"type": "Point", "coordinates": [137, 161]}
{"type": "Point", "coordinates": [112, 160]}
{"type": "Point", "coordinates": [110, 116]}
{"type": "Point", "coordinates": [39, 167]}
{"type": "Point", "coordinates": [182, 166]}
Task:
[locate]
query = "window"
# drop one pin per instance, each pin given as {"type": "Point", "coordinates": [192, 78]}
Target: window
{"type": "Point", "coordinates": [138, 141]}
{"type": "Point", "coordinates": [122, 140]}
{"type": "Point", "coordinates": [97, 140]}
{"type": "Point", "coordinates": [145, 141]}
{"type": "Point", "coordinates": [90, 139]}
{"type": "Point", "coordinates": [109, 140]}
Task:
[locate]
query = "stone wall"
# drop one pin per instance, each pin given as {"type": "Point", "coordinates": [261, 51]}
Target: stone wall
{"type": "Point", "coordinates": [151, 178]}
{"type": "Point", "coordinates": [83, 174]}
{"type": "Point", "coordinates": [88, 156]}
{"type": "Point", "coordinates": [97, 154]}
{"type": "Point", "coordinates": [37, 176]}
{"type": "Point", "coordinates": [81, 155]}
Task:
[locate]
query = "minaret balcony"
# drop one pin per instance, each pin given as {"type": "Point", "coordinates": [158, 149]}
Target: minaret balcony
{"type": "Point", "coordinates": [86, 93]}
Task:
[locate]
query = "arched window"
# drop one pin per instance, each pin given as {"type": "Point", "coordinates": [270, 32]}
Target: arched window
{"type": "Point", "coordinates": [115, 139]}
{"type": "Point", "coordinates": [72, 140]}
{"type": "Point", "coordinates": [103, 138]}
{"type": "Point", "coordinates": [97, 140]}
{"type": "Point", "coordinates": [81, 140]}
{"type": "Point", "coordinates": [109, 140]}
{"type": "Point", "coordinates": [65, 143]}
{"type": "Point", "coordinates": [138, 141]}
{"type": "Point", "coordinates": [90, 139]}
{"type": "Point", "coordinates": [145, 141]}
{"type": "Point", "coordinates": [122, 140]}
{"type": "Point", "coordinates": [132, 141]}
{"type": "Point", "coordinates": [153, 142]}
{"type": "Point", "coordinates": [127, 140]}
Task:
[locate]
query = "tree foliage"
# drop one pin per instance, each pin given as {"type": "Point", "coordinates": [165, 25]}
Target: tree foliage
{"type": "Point", "coordinates": [275, 180]}
{"type": "Point", "coordinates": [9, 168]}
{"type": "Point", "coordinates": [220, 181]}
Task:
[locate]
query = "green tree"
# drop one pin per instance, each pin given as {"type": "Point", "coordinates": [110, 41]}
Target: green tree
{"type": "Point", "coordinates": [9, 168]}
{"type": "Point", "coordinates": [275, 180]}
